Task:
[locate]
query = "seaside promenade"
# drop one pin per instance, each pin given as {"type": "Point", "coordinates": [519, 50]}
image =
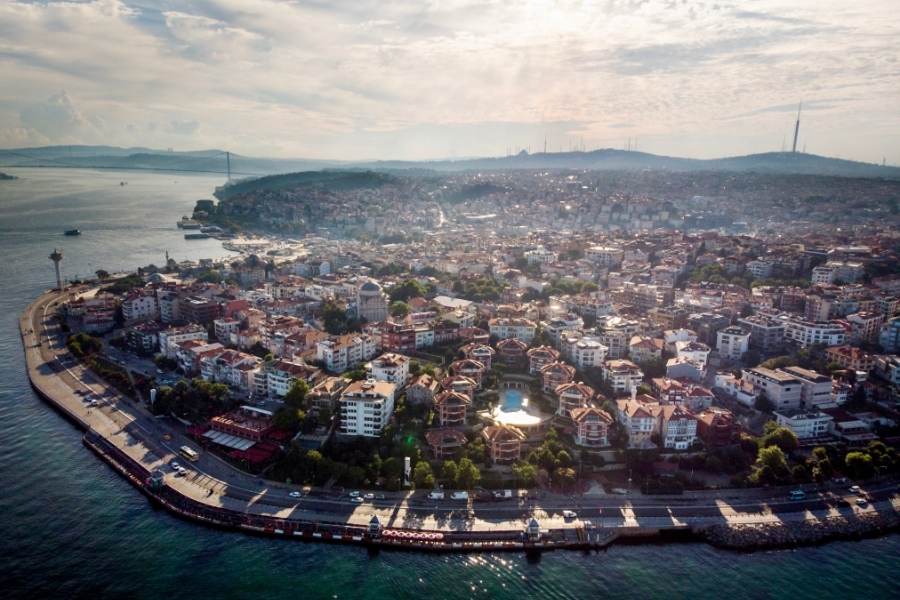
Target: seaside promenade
{"type": "Point", "coordinates": [150, 443]}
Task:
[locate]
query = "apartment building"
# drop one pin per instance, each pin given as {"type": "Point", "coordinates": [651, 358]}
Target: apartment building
{"type": "Point", "coordinates": [366, 407]}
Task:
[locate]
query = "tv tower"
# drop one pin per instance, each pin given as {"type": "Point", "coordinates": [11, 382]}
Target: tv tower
{"type": "Point", "coordinates": [56, 256]}
{"type": "Point", "coordinates": [797, 127]}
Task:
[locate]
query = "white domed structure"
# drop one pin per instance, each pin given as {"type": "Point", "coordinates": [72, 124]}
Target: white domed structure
{"type": "Point", "coordinates": [371, 302]}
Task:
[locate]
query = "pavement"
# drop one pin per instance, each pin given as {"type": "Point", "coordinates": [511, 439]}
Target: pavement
{"type": "Point", "coordinates": [154, 443]}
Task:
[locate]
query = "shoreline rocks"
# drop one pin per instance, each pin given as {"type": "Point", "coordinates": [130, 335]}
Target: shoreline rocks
{"type": "Point", "coordinates": [761, 536]}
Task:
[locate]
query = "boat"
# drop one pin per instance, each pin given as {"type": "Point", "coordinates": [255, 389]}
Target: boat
{"type": "Point", "coordinates": [188, 223]}
{"type": "Point", "coordinates": [72, 232]}
{"type": "Point", "coordinates": [196, 236]}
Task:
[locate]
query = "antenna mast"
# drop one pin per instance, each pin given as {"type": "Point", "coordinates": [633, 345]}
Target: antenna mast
{"type": "Point", "coordinates": [797, 127]}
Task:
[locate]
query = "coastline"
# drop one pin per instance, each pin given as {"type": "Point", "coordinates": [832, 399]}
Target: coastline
{"type": "Point", "coordinates": [731, 536]}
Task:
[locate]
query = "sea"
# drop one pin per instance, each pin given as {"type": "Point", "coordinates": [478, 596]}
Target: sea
{"type": "Point", "coordinates": [71, 528]}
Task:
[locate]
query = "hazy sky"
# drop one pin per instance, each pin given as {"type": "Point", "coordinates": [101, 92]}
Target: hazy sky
{"type": "Point", "coordinates": [372, 79]}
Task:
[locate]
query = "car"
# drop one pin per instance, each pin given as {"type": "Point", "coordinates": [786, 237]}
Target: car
{"type": "Point", "coordinates": [356, 500]}
{"type": "Point", "coordinates": [174, 464]}
{"type": "Point", "coordinates": [460, 495]}
{"type": "Point", "coordinates": [159, 371]}
{"type": "Point", "coordinates": [182, 470]}
{"type": "Point", "coordinates": [295, 494]}
{"type": "Point", "coordinates": [354, 494]}
{"type": "Point", "coordinates": [797, 495]}
{"type": "Point", "coordinates": [861, 502]}
{"type": "Point", "coordinates": [503, 494]}
{"type": "Point", "coordinates": [369, 496]}
{"type": "Point", "coordinates": [436, 495]}
{"type": "Point", "coordinates": [854, 489]}
{"type": "Point", "coordinates": [569, 515]}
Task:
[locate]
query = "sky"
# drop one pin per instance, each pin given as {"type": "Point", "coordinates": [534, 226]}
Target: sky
{"type": "Point", "coordinates": [371, 79]}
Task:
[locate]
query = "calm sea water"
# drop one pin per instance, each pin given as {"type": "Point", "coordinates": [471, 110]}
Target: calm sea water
{"type": "Point", "coordinates": [70, 527]}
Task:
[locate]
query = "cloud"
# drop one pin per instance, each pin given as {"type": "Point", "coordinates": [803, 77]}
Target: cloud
{"type": "Point", "coordinates": [54, 118]}
{"type": "Point", "coordinates": [369, 79]}
{"type": "Point", "coordinates": [188, 127]}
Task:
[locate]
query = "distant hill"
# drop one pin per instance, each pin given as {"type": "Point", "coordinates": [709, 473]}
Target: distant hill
{"type": "Point", "coordinates": [621, 160]}
{"type": "Point", "coordinates": [110, 157]}
{"type": "Point", "coordinates": [330, 180]}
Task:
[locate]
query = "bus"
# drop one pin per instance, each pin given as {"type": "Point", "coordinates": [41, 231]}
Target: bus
{"type": "Point", "coordinates": [189, 453]}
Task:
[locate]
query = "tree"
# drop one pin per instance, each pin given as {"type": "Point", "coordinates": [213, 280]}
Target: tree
{"type": "Point", "coordinates": [770, 467]}
{"type": "Point", "coordinates": [859, 465]}
{"type": "Point", "coordinates": [399, 308]}
{"type": "Point", "coordinates": [408, 289]}
{"type": "Point", "coordinates": [763, 404]}
{"type": "Point", "coordinates": [782, 437]}
{"type": "Point", "coordinates": [102, 274]}
{"type": "Point", "coordinates": [467, 475]}
{"type": "Point", "coordinates": [421, 472]}
{"type": "Point", "coordinates": [288, 418]}
{"type": "Point", "coordinates": [449, 471]}
{"type": "Point", "coordinates": [565, 477]}
{"type": "Point", "coordinates": [296, 395]}
{"type": "Point", "coordinates": [525, 474]}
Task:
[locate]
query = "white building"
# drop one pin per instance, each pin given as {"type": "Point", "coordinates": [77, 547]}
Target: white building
{"type": "Point", "coordinates": [622, 375]}
{"type": "Point", "coordinates": [281, 375]}
{"type": "Point", "coordinates": [696, 352]}
{"type": "Point", "coordinates": [390, 367]}
{"type": "Point", "coordinates": [782, 389]}
{"type": "Point", "coordinates": [815, 388]}
{"type": "Point", "coordinates": [805, 424]}
{"type": "Point", "coordinates": [540, 256]}
{"type": "Point", "coordinates": [345, 352]}
{"type": "Point", "coordinates": [503, 328]}
{"type": "Point", "coordinates": [677, 427]}
{"type": "Point", "coordinates": [605, 256]}
{"type": "Point", "coordinates": [366, 407]}
{"type": "Point", "coordinates": [371, 302]}
{"type": "Point", "coordinates": [170, 338]}
{"type": "Point", "coordinates": [588, 352]}
{"type": "Point", "coordinates": [806, 333]}
{"type": "Point", "coordinates": [140, 305]}
{"type": "Point", "coordinates": [732, 342]}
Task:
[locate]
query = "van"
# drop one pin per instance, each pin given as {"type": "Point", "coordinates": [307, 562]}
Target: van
{"type": "Point", "coordinates": [436, 495]}
{"type": "Point", "coordinates": [798, 495]}
{"type": "Point", "coordinates": [459, 496]}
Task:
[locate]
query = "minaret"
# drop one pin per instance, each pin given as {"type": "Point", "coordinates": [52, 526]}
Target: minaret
{"type": "Point", "coordinates": [56, 256]}
{"type": "Point", "coordinates": [797, 128]}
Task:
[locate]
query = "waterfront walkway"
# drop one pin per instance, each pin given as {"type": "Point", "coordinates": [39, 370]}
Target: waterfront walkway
{"type": "Point", "coordinates": [151, 443]}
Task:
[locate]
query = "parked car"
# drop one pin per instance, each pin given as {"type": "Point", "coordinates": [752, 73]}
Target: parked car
{"type": "Point", "coordinates": [568, 515]}
{"type": "Point", "coordinates": [356, 500]}
{"type": "Point", "coordinates": [295, 494]}
{"type": "Point", "coordinates": [369, 496]}
{"type": "Point", "coordinates": [798, 495]}
{"type": "Point", "coordinates": [503, 494]}
{"type": "Point", "coordinates": [854, 489]}
{"type": "Point", "coordinates": [861, 501]}
{"type": "Point", "coordinates": [460, 495]}
{"type": "Point", "coordinates": [354, 494]}
{"type": "Point", "coordinates": [436, 495]}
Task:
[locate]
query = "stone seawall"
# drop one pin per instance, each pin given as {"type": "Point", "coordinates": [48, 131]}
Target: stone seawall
{"type": "Point", "coordinates": [763, 536]}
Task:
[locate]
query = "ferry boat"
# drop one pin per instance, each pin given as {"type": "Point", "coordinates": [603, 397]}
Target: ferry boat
{"type": "Point", "coordinates": [72, 232]}
{"type": "Point", "coordinates": [188, 223]}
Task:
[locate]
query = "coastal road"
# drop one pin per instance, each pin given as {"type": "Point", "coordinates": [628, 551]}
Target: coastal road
{"type": "Point", "coordinates": [154, 442]}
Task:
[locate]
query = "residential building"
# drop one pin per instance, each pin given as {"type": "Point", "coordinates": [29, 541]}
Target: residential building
{"type": "Point", "coordinates": [140, 305]}
{"type": "Point", "coordinates": [766, 333]}
{"type": "Point", "coordinates": [815, 388]}
{"type": "Point", "coordinates": [390, 367]}
{"type": "Point", "coordinates": [366, 407]}
{"type": "Point", "coordinates": [326, 394]}
{"type": "Point", "coordinates": [804, 423]}
{"type": "Point", "coordinates": [678, 427]}
{"type": "Point", "coordinates": [170, 338]}
{"type": "Point", "coordinates": [422, 389]}
{"type": "Point", "coordinates": [480, 352]}
{"type": "Point", "coordinates": [281, 375]}
{"type": "Point", "coordinates": [345, 352]}
{"type": "Point", "coordinates": [622, 375]}
{"type": "Point", "coordinates": [806, 333]}
{"type": "Point", "coordinates": [642, 349]}
{"type": "Point", "coordinates": [591, 427]}
{"type": "Point", "coordinates": [511, 351]}
{"type": "Point", "coordinates": [851, 357]}
{"type": "Point", "coordinates": [571, 396]}
{"type": "Point", "coordinates": [733, 342]}
{"type": "Point", "coordinates": [889, 337]}
{"type": "Point", "coordinates": [717, 427]}
{"type": "Point", "coordinates": [504, 443]}
{"type": "Point", "coordinates": [450, 408]}
{"type": "Point", "coordinates": [540, 357]}
{"type": "Point", "coordinates": [470, 368]}
{"type": "Point", "coordinates": [510, 327]}
{"type": "Point", "coordinates": [445, 442]}
{"type": "Point", "coordinates": [587, 352]}
{"type": "Point", "coordinates": [639, 420]}
{"type": "Point", "coordinates": [782, 389]}
{"type": "Point", "coordinates": [556, 374]}
{"type": "Point", "coordinates": [864, 326]}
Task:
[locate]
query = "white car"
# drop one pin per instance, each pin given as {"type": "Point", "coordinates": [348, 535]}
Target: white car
{"type": "Point", "coordinates": [569, 514]}
{"type": "Point", "coordinates": [854, 489]}
{"type": "Point", "coordinates": [354, 494]}
{"type": "Point", "coordinates": [174, 464]}
{"type": "Point", "coordinates": [861, 501]}
{"type": "Point", "coordinates": [436, 495]}
{"type": "Point", "coordinates": [295, 494]}
{"type": "Point", "coordinates": [356, 500]}
{"type": "Point", "coordinates": [369, 496]}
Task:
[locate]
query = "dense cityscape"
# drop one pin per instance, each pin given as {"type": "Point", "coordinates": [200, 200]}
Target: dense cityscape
{"type": "Point", "coordinates": [622, 345]}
